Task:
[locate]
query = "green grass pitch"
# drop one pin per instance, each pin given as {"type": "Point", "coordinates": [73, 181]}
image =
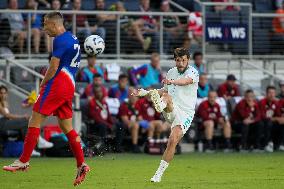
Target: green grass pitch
{"type": "Point", "coordinates": [122, 171]}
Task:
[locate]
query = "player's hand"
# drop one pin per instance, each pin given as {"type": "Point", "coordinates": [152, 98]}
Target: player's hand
{"type": "Point", "coordinates": [167, 81]}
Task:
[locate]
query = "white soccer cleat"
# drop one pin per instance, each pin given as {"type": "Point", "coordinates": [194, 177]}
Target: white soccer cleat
{"type": "Point", "coordinates": [269, 148]}
{"type": "Point", "coordinates": [159, 105]}
{"type": "Point", "coordinates": [281, 147]}
{"type": "Point", "coordinates": [156, 178]}
{"type": "Point", "coordinates": [44, 144]}
{"type": "Point", "coordinates": [17, 166]}
{"type": "Point", "coordinates": [35, 153]}
{"type": "Point", "coordinates": [142, 92]}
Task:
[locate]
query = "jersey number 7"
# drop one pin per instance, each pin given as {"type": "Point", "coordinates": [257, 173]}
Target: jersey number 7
{"type": "Point", "coordinates": [75, 62]}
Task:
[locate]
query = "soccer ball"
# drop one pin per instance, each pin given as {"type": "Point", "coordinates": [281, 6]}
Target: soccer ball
{"type": "Point", "coordinates": [94, 45]}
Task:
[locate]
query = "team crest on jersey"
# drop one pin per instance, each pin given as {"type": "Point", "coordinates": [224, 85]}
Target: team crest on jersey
{"type": "Point", "coordinates": [150, 111]}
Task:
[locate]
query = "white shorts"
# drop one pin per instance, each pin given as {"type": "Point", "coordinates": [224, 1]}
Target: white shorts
{"type": "Point", "coordinates": [180, 118]}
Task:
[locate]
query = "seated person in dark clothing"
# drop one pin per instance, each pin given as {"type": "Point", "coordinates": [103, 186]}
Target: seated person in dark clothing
{"type": "Point", "coordinates": [229, 88]}
{"type": "Point", "coordinates": [99, 113]}
{"type": "Point", "coordinates": [268, 108]}
{"type": "Point", "coordinates": [246, 120]}
{"type": "Point", "coordinates": [279, 118]}
{"type": "Point", "coordinates": [209, 112]}
{"type": "Point", "coordinates": [128, 116]}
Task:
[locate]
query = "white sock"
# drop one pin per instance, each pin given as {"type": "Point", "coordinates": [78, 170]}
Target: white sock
{"type": "Point", "coordinates": [162, 167]}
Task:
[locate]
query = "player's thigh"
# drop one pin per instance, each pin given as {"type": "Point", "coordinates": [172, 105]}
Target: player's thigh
{"type": "Point", "coordinates": [36, 119]}
{"type": "Point", "coordinates": [64, 115]}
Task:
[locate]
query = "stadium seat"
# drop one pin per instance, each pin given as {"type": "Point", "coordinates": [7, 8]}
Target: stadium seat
{"type": "Point", "coordinates": [213, 17]}
{"type": "Point", "coordinates": [28, 86]}
{"type": "Point", "coordinates": [131, 5]}
{"type": "Point", "coordinates": [18, 75]}
{"type": "Point", "coordinates": [263, 6]}
{"type": "Point", "coordinates": [261, 41]}
{"type": "Point", "coordinates": [88, 5]}
{"type": "Point", "coordinates": [108, 3]}
{"type": "Point", "coordinates": [230, 17]}
{"type": "Point", "coordinates": [21, 4]}
{"type": "Point", "coordinates": [2, 72]}
{"type": "Point", "coordinates": [3, 5]}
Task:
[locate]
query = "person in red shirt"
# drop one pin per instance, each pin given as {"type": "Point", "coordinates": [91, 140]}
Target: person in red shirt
{"type": "Point", "coordinates": [99, 113]}
{"type": "Point", "coordinates": [210, 114]}
{"type": "Point", "coordinates": [268, 108]}
{"type": "Point", "coordinates": [89, 90]}
{"type": "Point", "coordinates": [229, 88]}
{"type": "Point", "coordinates": [246, 118]}
{"type": "Point", "coordinates": [128, 117]}
{"type": "Point", "coordinates": [149, 119]}
{"type": "Point", "coordinates": [279, 118]}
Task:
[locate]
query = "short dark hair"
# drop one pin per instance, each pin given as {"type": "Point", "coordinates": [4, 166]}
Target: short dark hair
{"type": "Point", "coordinates": [96, 75]}
{"type": "Point", "coordinates": [179, 52]}
{"type": "Point", "coordinates": [54, 15]}
{"type": "Point", "coordinates": [3, 87]}
{"type": "Point", "coordinates": [197, 54]}
{"type": "Point", "coordinates": [270, 87]}
{"type": "Point", "coordinates": [248, 91]}
{"type": "Point", "coordinates": [122, 76]}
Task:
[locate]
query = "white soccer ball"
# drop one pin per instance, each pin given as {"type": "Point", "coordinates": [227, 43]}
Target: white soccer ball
{"type": "Point", "coordinates": [94, 45]}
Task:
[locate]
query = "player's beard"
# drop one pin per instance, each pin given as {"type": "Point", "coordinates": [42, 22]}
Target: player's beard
{"type": "Point", "coordinates": [182, 69]}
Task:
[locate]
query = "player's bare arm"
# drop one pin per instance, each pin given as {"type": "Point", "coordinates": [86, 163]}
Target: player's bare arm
{"type": "Point", "coordinates": [52, 69]}
{"type": "Point", "coordinates": [180, 82]}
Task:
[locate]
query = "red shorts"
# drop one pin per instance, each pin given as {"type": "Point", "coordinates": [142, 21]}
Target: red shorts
{"type": "Point", "coordinates": [56, 97]}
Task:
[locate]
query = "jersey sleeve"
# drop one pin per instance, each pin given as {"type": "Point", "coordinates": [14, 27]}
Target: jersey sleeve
{"type": "Point", "coordinates": [58, 48]}
{"type": "Point", "coordinates": [193, 74]}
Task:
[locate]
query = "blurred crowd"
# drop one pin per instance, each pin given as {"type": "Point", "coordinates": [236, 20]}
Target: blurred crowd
{"type": "Point", "coordinates": [139, 34]}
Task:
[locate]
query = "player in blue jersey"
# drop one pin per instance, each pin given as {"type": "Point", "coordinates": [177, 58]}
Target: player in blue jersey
{"type": "Point", "coordinates": [56, 94]}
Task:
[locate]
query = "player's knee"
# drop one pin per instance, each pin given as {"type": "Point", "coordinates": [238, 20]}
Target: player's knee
{"type": "Point", "coordinates": [209, 124]}
{"type": "Point", "coordinates": [135, 126]}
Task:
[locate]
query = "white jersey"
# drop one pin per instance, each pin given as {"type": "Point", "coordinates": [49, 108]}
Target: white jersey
{"type": "Point", "coordinates": [184, 97]}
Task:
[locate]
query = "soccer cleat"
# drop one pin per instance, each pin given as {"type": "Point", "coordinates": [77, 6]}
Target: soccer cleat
{"type": "Point", "coordinates": [281, 147]}
{"type": "Point", "coordinates": [35, 153]}
{"type": "Point", "coordinates": [156, 178]}
{"type": "Point", "coordinates": [81, 174]}
{"type": "Point", "coordinates": [17, 166]}
{"type": "Point", "coordinates": [157, 101]}
{"type": "Point", "coordinates": [269, 148]}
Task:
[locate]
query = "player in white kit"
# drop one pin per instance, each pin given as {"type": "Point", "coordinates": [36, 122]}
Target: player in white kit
{"type": "Point", "coordinates": [176, 100]}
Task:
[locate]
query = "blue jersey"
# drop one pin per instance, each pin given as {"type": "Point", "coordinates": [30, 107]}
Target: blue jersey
{"type": "Point", "coordinates": [66, 47]}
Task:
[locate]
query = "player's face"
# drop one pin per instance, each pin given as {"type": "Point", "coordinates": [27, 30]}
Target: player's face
{"type": "Point", "coordinates": [271, 93]}
{"type": "Point", "coordinates": [182, 63]}
{"type": "Point", "coordinates": [49, 27]}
